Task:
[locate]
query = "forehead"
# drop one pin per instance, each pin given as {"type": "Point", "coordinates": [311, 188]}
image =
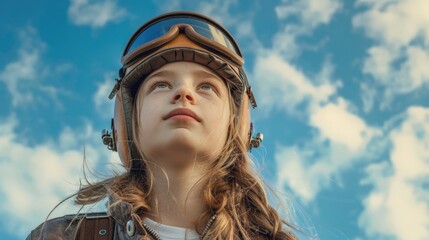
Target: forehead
{"type": "Point", "coordinates": [184, 68]}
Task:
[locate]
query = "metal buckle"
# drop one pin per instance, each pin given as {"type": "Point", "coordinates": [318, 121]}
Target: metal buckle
{"type": "Point", "coordinates": [109, 137]}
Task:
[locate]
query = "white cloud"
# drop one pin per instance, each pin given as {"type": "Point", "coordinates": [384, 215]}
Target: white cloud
{"type": "Point", "coordinates": [398, 204]}
{"type": "Point", "coordinates": [382, 18]}
{"type": "Point", "coordinates": [95, 13]}
{"type": "Point", "coordinates": [410, 74]}
{"type": "Point", "coordinates": [218, 10]}
{"type": "Point", "coordinates": [283, 86]}
{"type": "Point", "coordinates": [37, 177]}
{"type": "Point", "coordinates": [24, 73]}
{"type": "Point", "coordinates": [25, 77]}
{"type": "Point", "coordinates": [379, 62]}
{"type": "Point", "coordinates": [103, 104]}
{"type": "Point", "coordinates": [368, 94]}
{"type": "Point", "coordinates": [341, 139]}
{"type": "Point", "coordinates": [340, 136]}
{"type": "Point", "coordinates": [398, 60]}
{"type": "Point", "coordinates": [339, 125]}
{"type": "Point", "coordinates": [239, 23]}
{"type": "Point", "coordinates": [312, 13]}
{"type": "Point", "coordinates": [285, 43]}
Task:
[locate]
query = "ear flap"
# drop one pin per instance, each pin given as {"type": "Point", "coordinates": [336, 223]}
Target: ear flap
{"type": "Point", "coordinates": [245, 124]}
{"type": "Point", "coordinates": [120, 132]}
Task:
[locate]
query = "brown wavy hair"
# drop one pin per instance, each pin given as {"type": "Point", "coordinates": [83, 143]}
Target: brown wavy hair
{"type": "Point", "coordinates": [233, 190]}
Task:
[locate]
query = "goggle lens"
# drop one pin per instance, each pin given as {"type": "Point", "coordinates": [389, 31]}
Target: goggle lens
{"type": "Point", "coordinates": [200, 26]}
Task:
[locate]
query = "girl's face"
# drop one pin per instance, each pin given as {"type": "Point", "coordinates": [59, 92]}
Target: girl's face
{"type": "Point", "coordinates": [183, 112]}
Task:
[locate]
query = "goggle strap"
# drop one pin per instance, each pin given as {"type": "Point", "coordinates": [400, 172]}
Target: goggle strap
{"type": "Point", "coordinates": [248, 88]}
{"type": "Point", "coordinates": [115, 89]}
{"type": "Point", "coordinates": [251, 96]}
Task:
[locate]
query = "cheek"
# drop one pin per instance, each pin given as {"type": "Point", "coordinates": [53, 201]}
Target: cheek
{"type": "Point", "coordinates": [221, 118]}
{"type": "Point", "coordinates": [219, 130]}
{"type": "Point", "coordinates": [146, 121]}
{"type": "Point", "coordinates": [226, 115]}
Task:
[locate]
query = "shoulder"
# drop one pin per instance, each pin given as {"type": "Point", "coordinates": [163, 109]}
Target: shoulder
{"type": "Point", "coordinates": [58, 228]}
{"type": "Point", "coordinates": [68, 226]}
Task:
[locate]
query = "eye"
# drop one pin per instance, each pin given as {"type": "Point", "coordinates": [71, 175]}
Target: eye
{"type": "Point", "coordinates": [160, 85]}
{"type": "Point", "coordinates": [207, 87]}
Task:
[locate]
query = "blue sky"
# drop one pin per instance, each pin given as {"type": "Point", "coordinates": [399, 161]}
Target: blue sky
{"type": "Point", "coordinates": [341, 87]}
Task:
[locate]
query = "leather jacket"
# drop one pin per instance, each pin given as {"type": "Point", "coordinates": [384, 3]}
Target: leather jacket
{"type": "Point", "coordinates": [117, 225]}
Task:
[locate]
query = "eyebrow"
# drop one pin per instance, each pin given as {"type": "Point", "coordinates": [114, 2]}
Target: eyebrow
{"type": "Point", "coordinates": [207, 74]}
{"type": "Point", "coordinates": [165, 73]}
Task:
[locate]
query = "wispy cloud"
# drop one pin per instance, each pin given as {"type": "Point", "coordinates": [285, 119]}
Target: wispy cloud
{"type": "Point", "coordinates": [339, 136]}
{"type": "Point", "coordinates": [95, 13]}
{"type": "Point", "coordinates": [25, 72]}
{"type": "Point", "coordinates": [340, 139]}
{"type": "Point", "coordinates": [219, 10]}
{"type": "Point", "coordinates": [398, 204]}
{"type": "Point", "coordinates": [285, 87]}
{"type": "Point", "coordinates": [25, 77]}
{"type": "Point", "coordinates": [103, 104]}
{"type": "Point", "coordinates": [311, 13]}
{"type": "Point", "coordinates": [238, 22]}
{"type": "Point", "coordinates": [44, 174]}
{"type": "Point", "coordinates": [398, 59]}
{"type": "Point", "coordinates": [337, 123]}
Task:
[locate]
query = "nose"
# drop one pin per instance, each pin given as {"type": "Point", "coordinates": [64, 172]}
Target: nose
{"type": "Point", "coordinates": [184, 93]}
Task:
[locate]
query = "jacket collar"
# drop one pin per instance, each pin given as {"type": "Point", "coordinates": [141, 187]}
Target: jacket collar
{"type": "Point", "coordinates": [121, 212]}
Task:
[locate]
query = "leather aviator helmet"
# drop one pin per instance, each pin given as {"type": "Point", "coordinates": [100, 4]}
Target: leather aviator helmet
{"type": "Point", "coordinates": [171, 37]}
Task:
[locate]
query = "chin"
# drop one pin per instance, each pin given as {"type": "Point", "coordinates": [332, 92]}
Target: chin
{"type": "Point", "coordinates": [183, 138]}
{"type": "Point", "coordinates": [174, 146]}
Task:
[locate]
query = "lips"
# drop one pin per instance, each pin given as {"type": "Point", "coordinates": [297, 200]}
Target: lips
{"type": "Point", "coordinates": [182, 111]}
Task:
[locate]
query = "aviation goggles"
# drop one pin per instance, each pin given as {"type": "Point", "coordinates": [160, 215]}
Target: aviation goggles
{"type": "Point", "coordinates": [200, 29]}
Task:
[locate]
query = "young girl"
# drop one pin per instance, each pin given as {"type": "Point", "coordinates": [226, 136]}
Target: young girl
{"type": "Point", "coordinates": [182, 130]}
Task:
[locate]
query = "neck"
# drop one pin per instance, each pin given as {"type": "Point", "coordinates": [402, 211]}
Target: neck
{"type": "Point", "coordinates": [178, 194]}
